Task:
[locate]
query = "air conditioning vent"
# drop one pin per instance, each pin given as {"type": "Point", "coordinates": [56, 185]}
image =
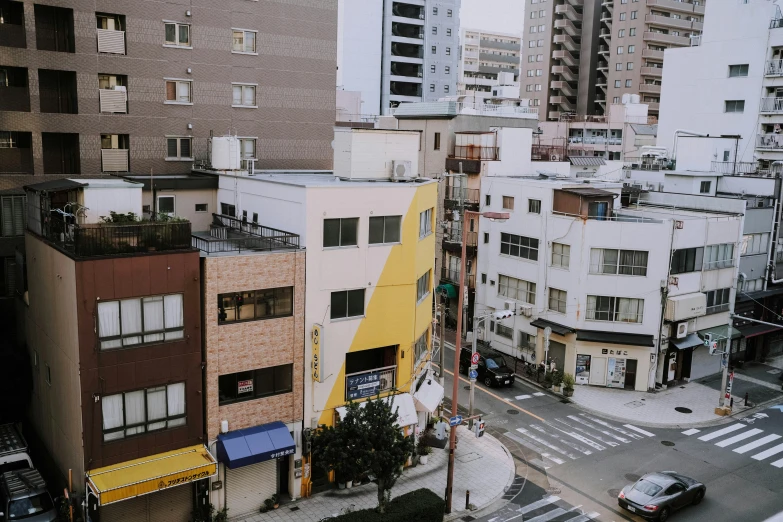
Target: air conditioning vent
{"type": "Point", "coordinates": [526, 310]}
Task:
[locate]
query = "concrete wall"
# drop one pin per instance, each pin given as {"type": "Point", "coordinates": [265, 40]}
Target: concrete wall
{"type": "Point", "coordinates": [185, 202]}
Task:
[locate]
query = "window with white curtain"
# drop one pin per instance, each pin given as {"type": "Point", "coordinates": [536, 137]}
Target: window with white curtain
{"type": "Point", "coordinates": [754, 243]}
{"type": "Point", "coordinates": [719, 256]}
{"type": "Point", "coordinates": [617, 309]}
{"type": "Point", "coordinates": [128, 322]}
{"type": "Point", "coordinates": [140, 411]}
{"type": "Point", "coordinates": [244, 96]}
{"type": "Point", "coordinates": [425, 223]}
{"type": "Point", "coordinates": [518, 289]}
{"type": "Point", "coordinates": [623, 262]}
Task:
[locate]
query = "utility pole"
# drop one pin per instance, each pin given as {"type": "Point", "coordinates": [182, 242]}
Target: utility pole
{"type": "Point", "coordinates": [472, 380]}
{"type": "Point", "coordinates": [442, 345]}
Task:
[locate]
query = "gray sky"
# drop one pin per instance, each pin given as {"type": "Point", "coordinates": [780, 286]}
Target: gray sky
{"type": "Point", "coordinates": [505, 16]}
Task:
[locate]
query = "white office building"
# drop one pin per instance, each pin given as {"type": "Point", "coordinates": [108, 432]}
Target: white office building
{"type": "Point", "coordinates": [489, 64]}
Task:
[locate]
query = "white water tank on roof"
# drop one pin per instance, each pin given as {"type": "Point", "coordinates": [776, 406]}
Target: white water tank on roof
{"type": "Point", "coordinates": [226, 153]}
{"type": "Point", "coordinates": [626, 98]}
{"type": "Point", "coordinates": [635, 98]}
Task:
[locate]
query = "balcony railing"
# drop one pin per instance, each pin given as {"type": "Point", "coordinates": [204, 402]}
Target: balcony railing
{"type": "Point", "coordinates": [110, 41]}
{"type": "Point", "coordinates": [114, 160]}
{"type": "Point", "coordinates": [369, 383]}
{"type": "Point", "coordinates": [682, 41]}
{"type": "Point", "coordinates": [773, 105]}
{"type": "Point", "coordinates": [595, 140]}
{"type": "Point", "coordinates": [769, 141]}
{"type": "Point", "coordinates": [776, 23]}
{"type": "Point", "coordinates": [459, 193]}
{"type": "Point", "coordinates": [107, 239]}
{"type": "Point", "coordinates": [774, 68]}
{"type": "Point", "coordinates": [452, 276]}
{"type": "Point", "coordinates": [653, 54]}
{"type": "Point", "coordinates": [695, 40]}
{"type": "Point", "coordinates": [475, 152]}
{"type": "Point", "coordinates": [742, 168]}
{"type": "Point", "coordinates": [650, 87]}
{"type": "Point", "coordinates": [229, 234]}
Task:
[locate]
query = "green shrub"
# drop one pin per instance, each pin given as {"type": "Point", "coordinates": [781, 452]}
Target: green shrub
{"type": "Point", "coordinates": [568, 381]}
{"type": "Point", "coordinates": [421, 505]}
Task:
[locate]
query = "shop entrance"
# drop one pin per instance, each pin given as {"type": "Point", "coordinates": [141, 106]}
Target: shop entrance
{"type": "Point", "coordinates": [630, 374]}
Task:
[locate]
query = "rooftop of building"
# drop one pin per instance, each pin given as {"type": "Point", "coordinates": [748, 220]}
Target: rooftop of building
{"type": "Point", "coordinates": [321, 179]}
{"type": "Point", "coordinates": [465, 106]}
{"type": "Point", "coordinates": [228, 235]}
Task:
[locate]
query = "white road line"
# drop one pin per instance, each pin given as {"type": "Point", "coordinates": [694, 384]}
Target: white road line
{"type": "Point", "coordinates": [522, 397]}
{"type": "Point", "coordinates": [585, 518]}
{"type": "Point", "coordinates": [538, 439]}
{"type": "Point", "coordinates": [537, 449]}
{"type": "Point", "coordinates": [615, 428]}
{"type": "Point", "coordinates": [539, 394]}
{"type": "Point", "coordinates": [609, 443]}
{"type": "Point", "coordinates": [756, 443]}
{"type": "Point", "coordinates": [778, 463]}
{"type": "Point", "coordinates": [551, 457]}
{"type": "Point", "coordinates": [538, 504]}
{"type": "Point", "coordinates": [768, 453]}
{"type": "Point", "coordinates": [736, 438]}
{"type": "Point", "coordinates": [724, 431]}
{"type": "Point", "coordinates": [594, 428]}
{"type": "Point", "coordinates": [634, 428]}
{"type": "Point", "coordinates": [690, 432]}
{"type": "Point", "coordinates": [557, 437]}
{"type": "Point", "coordinates": [547, 516]}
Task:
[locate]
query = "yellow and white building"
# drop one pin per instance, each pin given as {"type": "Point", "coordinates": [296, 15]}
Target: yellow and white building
{"type": "Point", "coordinates": [368, 228]}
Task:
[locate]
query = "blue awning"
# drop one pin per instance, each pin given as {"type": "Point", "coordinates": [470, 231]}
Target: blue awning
{"type": "Point", "coordinates": [253, 445]}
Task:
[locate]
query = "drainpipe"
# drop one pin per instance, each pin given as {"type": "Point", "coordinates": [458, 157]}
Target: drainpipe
{"type": "Point", "coordinates": [686, 132]}
{"type": "Point", "coordinates": [775, 230]}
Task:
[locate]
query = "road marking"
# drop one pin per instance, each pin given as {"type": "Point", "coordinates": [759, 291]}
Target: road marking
{"type": "Point", "coordinates": [538, 439]}
{"type": "Point", "coordinates": [538, 504]}
{"type": "Point", "coordinates": [587, 433]}
{"type": "Point", "coordinates": [756, 443]}
{"type": "Point", "coordinates": [557, 437]}
{"type": "Point", "coordinates": [547, 516]}
{"type": "Point", "coordinates": [593, 427]}
{"type": "Point", "coordinates": [539, 394]}
{"type": "Point", "coordinates": [778, 463]}
{"type": "Point", "coordinates": [615, 428]}
{"type": "Point", "coordinates": [499, 398]}
{"type": "Point", "coordinates": [634, 428]}
{"type": "Point", "coordinates": [690, 432]}
{"type": "Point", "coordinates": [585, 518]}
{"type": "Point", "coordinates": [522, 397]}
{"type": "Point", "coordinates": [737, 438]}
{"type": "Point", "coordinates": [581, 438]}
{"type": "Point", "coordinates": [720, 433]}
{"type": "Point", "coordinates": [768, 453]}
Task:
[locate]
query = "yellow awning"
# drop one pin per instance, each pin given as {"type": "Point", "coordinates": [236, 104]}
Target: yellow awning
{"type": "Point", "coordinates": [150, 474]}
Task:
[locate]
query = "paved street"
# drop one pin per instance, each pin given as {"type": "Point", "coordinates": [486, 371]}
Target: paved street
{"type": "Point", "coordinates": [572, 464]}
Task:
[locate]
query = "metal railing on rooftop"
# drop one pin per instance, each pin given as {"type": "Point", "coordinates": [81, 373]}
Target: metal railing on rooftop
{"type": "Point", "coordinates": [230, 234]}
{"type": "Point", "coordinates": [742, 168]}
{"type": "Point", "coordinates": [107, 239]}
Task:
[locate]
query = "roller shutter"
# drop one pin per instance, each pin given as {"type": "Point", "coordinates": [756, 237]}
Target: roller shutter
{"type": "Point", "coordinates": [247, 487]}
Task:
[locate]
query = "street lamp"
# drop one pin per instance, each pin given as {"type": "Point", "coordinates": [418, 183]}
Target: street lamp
{"type": "Point", "coordinates": [492, 216]}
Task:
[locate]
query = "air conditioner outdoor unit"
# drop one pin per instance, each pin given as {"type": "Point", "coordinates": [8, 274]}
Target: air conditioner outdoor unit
{"type": "Point", "coordinates": [401, 170]}
{"type": "Point", "coordinates": [682, 330]}
{"type": "Point", "coordinates": [510, 305]}
{"type": "Point", "coordinates": [554, 157]}
{"type": "Point", "coordinates": [526, 310]}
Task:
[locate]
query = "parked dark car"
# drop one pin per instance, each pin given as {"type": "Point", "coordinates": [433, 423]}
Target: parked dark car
{"type": "Point", "coordinates": [492, 368]}
{"type": "Point", "coordinates": [656, 496]}
{"type": "Point", "coordinates": [23, 495]}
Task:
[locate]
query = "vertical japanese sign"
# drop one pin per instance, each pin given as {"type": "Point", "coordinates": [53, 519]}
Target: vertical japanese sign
{"type": "Point", "coordinates": [729, 385]}
{"type": "Point", "coordinates": [317, 347]}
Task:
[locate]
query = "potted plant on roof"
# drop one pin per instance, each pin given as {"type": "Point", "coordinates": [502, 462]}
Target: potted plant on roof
{"type": "Point", "coordinates": [557, 380]}
{"type": "Point", "coordinates": [568, 385]}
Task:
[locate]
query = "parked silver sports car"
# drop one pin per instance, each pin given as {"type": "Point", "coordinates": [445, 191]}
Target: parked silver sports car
{"type": "Point", "coordinates": [657, 495]}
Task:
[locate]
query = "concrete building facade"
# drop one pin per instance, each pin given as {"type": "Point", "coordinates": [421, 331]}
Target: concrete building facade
{"type": "Point", "coordinates": [489, 64]}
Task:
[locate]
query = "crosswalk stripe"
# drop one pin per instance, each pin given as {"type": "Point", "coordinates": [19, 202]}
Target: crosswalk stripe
{"type": "Point", "coordinates": [778, 463]}
{"type": "Point", "coordinates": [538, 439]}
{"type": "Point", "coordinates": [533, 447]}
{"type": "Point", "coordinates": [756, 443]}
{"type": "Point", "coordinates": [538, 504]}
{"type": "Point", "coordinates": [609, 443]}
{"type": "Point", "coordinates": [736, 438]}
{"type": "Point", "coordinates": [615, 428]}
{"type": "Point", "coordinates": [522, 397]}
{"type": "Point", "coordinates": [634, 428]}
{"type": "Point", "coordinates": [724, 431]}
{"type": "Point", "coordinates": [557, 437]}
{"type": "Point", "coordinates": [584, 518]}
{"type": "Point", "coordinates": [580, 438]}
{"type": "Point", "coordinates": [547, 516]}
{"type": "Point", "coordinates": [539, 394]}
{"type": "Point", "coordinates": [690, 432]}
{"type": "Point", "coordinates": [768, 453]}
{"type": "Point", "coordinates": [598, 429]}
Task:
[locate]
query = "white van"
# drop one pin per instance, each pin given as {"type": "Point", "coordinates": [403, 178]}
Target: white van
{"type": "Point", "coordinates": [13, 449]}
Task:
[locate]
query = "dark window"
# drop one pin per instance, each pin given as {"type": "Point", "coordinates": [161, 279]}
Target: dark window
{"type": "Point", "coordinates": [340, 232]}
{"type": "Point", "coordinates": [738, 70]}
{"type": "Point", "coordinates": [487, 200]}
{"type": "Point", "coordinates": [255, 384]}
{"type": "Point", "coordinates": [534, 206]}
{"type": "Point", "coordinates": [385, 229]}
{"type": "Point", "coordinates": [14, 94]}
{"type": "Point", "coordinates": [60, 153]}
{"type": "Point", "coordinates": [348, 303]}
{"type": "Point", "coordinates": [704, 187]}
{"type": "Point", "coordinates": [687, 260]}
{"type": "Point", "coordinates": [57, 90]}
{"type": "Point", "coordinates": [13, 215]}
{"type": "Point", "coordinates": [54, 29]}
{"type": "Point", "coordinates": [12, 32]}
{"type": "Point", "coordinates": [483, 279]}
{"type": "Point", "coordinates": [437, 141]}
{"type": "Point", "coordinates": [735, 106]}
{"type": "Point", "coordinates": [519, 246]}
{"type": "Point", "coordinates": [16, 152]}
{"type": "Point", "coordinates": [201, 207]}
{"type": "Point", "coordinates": [252, 305]}
{"type": "Point", "coordinates": [718, 300]}
{"type": "Point", "coordinates": [228, 210]}
{"type": "Point", "coordinates": [140, 411]}
{"type": "Point", "coordinates": [486, 237]}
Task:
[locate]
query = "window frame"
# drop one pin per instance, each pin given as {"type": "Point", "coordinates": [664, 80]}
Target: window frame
{"type": "Point", "coordinates": [683, 266]}
{"type": "Point", "coordinates": [384, 241]}
{"type": "Point", "coordinates": [205, 205]}
{"type": "Point", "coordinates": [613, 311]}
{"type": "Point", "coordinates": [722, 293]}
{"type": "Point", "coordinates": [739, 70]}
{"type": "Point", "coordinates": [519, 245]}
{"type": "Point", "coordinates": [732, 106]}
{"type": "Point", "coordinates": [142, 332]}
{"type": "Point", "coordinates": [177, 82]}
{"type": "Point", "coordinates": [256, 316]}
{"type": "Point", "coordinates": [347, 293]}
{"type": "Point", "coordinates": [244, 32]}
{"type": "Point", "coordinates": [599, 268]}
{"type": "Point", "coordinates": [258, 376]}
{"type": "Point", "coordinates": [702, 187]}
{"type": "Point", "coordinates": [564, 256]}
{"type": "Point", "coordinates": [176, 44]}
{"type": "Point", "coordinates": [517, 289]}
{"type": "Point", "coordinates": [340, 234]}
{"type": "Point", "coordinates": [423, 287]}
{"type": "Point", "coordinates": [421, 348]}
{"type": "Point", "coordinates": [533, 206]}
{"type": "Point", "coordinates": [179, 156]}
{"type": "Point", "coordinates": [508, 203]}
{"type": "Point", "coordinates": [506, 332]}
{"type": "Point", "coordinates": [560, 300]}
{"type": "Point", "coordinates": [425, 218]}
{"type": "Point", "coordinates": [242, 87]}
{"type": "Point", "coordinates": [147, 421]}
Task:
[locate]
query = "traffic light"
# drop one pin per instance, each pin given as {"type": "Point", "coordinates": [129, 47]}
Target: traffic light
{"type": "Point", "coordinates": [503, 314]}
{"type": "Point", "coordinates": [478, 428]}
{"type": "Point", "coordinates": [709, 343]}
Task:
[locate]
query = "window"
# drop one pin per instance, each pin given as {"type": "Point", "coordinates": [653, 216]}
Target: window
{"type": "Point", "coordinates": [247, 147]}
{"type": "Point", "coordinates": [628, 83]}
{"type": "Point", "coordinates": [504, 331]}
{"type": "Point", "coordinates": [617, 84]}
{"type": "Point", "coordinates": [632, 31]}
{"type": "Point", "coordinates": [528, 88]}
{"type": "Point", "coordinates": [561, 255]}
{"type": "Point", "coordinates": [534, 206]}
{"type": "Point", "coordinates": [620, 33]}
{"type": "Point", "coordinates": [629, 66]}
{"type": "Point", "coordinates": [136, 412]}
{"type": "Point", "coordinates": [179, 91]}
{"type": "Point", "coordinates": [631, 49]}
{"type": "Point", "coordinates": [704, 187]}
{"type": "Point", "coordinates": [541, 13]}
{"type": "Point", "coordinates": [228, 210]}
{"type": "Point", "coordinates": [385, 229]}
{"type": "Point", "coordinates": [538, 87]}
{"type": "Point", "coordinates": [448, 31]}
{"type": "Point", "coordinates": [687, 260]}
{"type": "Point", "coordinates": [526, 341]}
{"type": "Point", "coordinates": [539, 57]}
{"type": "Point", "coordinates": [533, 29]}
{"type": "Point", "coordinates": [434, 29]}
{"type": "Point", "coordinates": [718, 300]}
{"type": "Point", "coordinates": [519, 246]}
{"type": "Point", "coordinates": [616, 309]}
{"type": "Point", "coordinates": [616, 99]}
{"type": "Point", "coordinates": [253, 305]}
{"type": "Point", "coordinates": [243, 41]}
{"type": "Point", "coordinates": [487, 200]}
{"type": "Point", "coordinates": [434, 49]}
{"type": "Point", "coordinates": [128, 322]}
{"type": "Point", "coordinates": [533, 15]}
{"type": "Point", "coordinates": [531, 43]}
{"type": "Point", "coordinates": [255, 384]}
{"type": "Point", "coordinates": [420, 349]}
{"type": "Point", "coordinates": [557, 300]}
{"type": "Point", "coordinates": [735, 106]}
{"type": "Point", "coordinates": [538, 72]}
{"type": "Point", "coordinates": [634, 14]}
{"type": "Point", "coordinates": [177, 35]}
{"type": "Point", "coordinates": [508, 203]}
{"type": "Point", "coordinates": [447, 69]}
{"type": "Point", "coordinates": [340, 232]}
{"type": "Point", "coordinates": [425, 223]}
{"type": "Point", "coordinates": [449, 13]}
{"type": "Point", "coordinates": [486, 238]}
{"type": "Point", "coordinates": [166, 205]}
{"type": "Point", "coordinates": [618, 67]}
{"type": "Point", "coordinates": [754, 244]}
{"type": "Point", "coordinates": [201, 207]}
{"type": "Point", "coordinates": [622, 262]}
{"type": "Point", "coordinates": [13, 215]}
{"type": "Point", "coordinates": [448, 51]}
{"type": "Point", "coordinates": [432, 87]}
{"type": "Point", "coordinates": [753, 285]}
{"type": "Point", "coordinates": [178, 149]}
{"type": "Point", "coordinates": [483, 279]}
{"type": "Point", "coordinates": [432, 68]}
{"type": "Point", "coordinates": [620, 50]}
{"type": "Point", "coordinates": [244, 96]}
{"type": "Point", "coordinates": [348, 303]}
{"type": "Point", "coordinates": [445, 88]}
{"type": "Point", "coordinates": [541, 28]}
{"type": "Point", "coordinates": [531, 58]}
{"type": "Point", "coordinates": [541, 43]}
{"type": "Point", "coordinates": [435, 11]}
{"type": "Point", "coordinates": [423, 287]}
{"type": "Point", "coordinates": [622, 17]}
{"type": "Point", "coordinates": [517, 289]}
{"type": "Point", "coordinates": [48, 374]}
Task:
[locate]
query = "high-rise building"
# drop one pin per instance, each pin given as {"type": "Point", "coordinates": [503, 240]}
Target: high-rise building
{"type": "Point", "coordinates": [395, 51]}
{"type": "Point", "coordinates": [584, 55]}
{"type": "Point", "coordinates": [489, 64]}
{"type": "Point", "coordinates": [142, 87]}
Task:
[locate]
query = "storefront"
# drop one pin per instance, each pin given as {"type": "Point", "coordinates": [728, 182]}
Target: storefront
{"type": "Point", "coordinates": [427, 398]}
{"type": "Point", "coordinates": [254, 463]}
{"type": "Point", "coordinates": [679, 359]}
{"type": "Point", "coordinates": [612, 359]}
{"type": "Point", "coordinates": [158, 487]}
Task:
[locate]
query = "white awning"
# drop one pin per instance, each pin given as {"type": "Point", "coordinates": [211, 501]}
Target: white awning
{"type": "Point", "coordinates": [402, 403]}
{"type": "Point", "coordinates": [429, 395]}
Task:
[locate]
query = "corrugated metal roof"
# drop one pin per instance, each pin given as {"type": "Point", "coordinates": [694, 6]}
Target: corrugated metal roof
{"type": "Point", "coordinates": [644, 129]}
{"type": "Point", "coordinates": [586, 161]}
{"type": "Point", "coordinates": [589, 191]}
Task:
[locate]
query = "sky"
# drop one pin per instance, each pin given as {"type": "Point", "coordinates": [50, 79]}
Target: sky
{"type": "Point", "coordinates": [505, 16]}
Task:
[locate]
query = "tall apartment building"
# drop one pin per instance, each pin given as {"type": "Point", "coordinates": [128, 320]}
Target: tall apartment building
{"type": "Point", "coordinates": [489, 64]}
{"type": "Point", "coordinates": [395, 51]}
{"type": "Point", "coordinates": [142, 86]}
{"type": "Point", "coordinates": [586, 55]}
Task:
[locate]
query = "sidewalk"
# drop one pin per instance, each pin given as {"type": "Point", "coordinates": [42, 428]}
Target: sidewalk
{"type": "Point", "coordinates": [483, 466]}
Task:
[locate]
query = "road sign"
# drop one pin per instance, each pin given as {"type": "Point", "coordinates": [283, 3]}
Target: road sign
{"type": "Point", "coordinates": [454, 421]}
{"type": "Point", "coordinates": [473, 374]}
{"type": "Point", "coordinates": [728, 385]}
{"type": "Point", "coordinates": [474, 359]}
{"type": "Point", "coordinates": [474, 366]}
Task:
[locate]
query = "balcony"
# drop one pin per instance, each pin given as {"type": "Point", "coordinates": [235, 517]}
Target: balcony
{"type": "Point", "coordinates": [771, 105]}
{"type": "Point", "coordinates": [566, 72]}
{"type": "Point", "coordinates": [603, 50]}
{"type": "Point", "coordinates": [406, 50]}
{"type": "Point", "coordinates": [668, 21]}
{"type": "Point", "coordinates": [454, 196]}
{"type": "Point", "coordinates": [649, 88]}
{"type": "Point", "coordinates": [595, 140]}
{"type": "Point", "coordinates": [653, 106]}
{"type": "Point", "coordinates": [229, 234]}
{"type": "Point", "coordinates": [566, 41]}
{"type": "Point", "coordinates": [111, 42]}
{"type": "Point", "coordinates": [114, 160]}
{"type": "Point", "coordinates": [769, 141]}
{"type": "Point", "coordinates": [652, 36]}
{"type": "Point", "coordinates": [695, 40]}
{"type": "Point", "coordinates": [567, 26]}
{"type": "Point", "coordinates": [503, 58]}
{"type": "Point", "coordinates": [652, 54]}
{"type": "Point", "coordinates": [563, 102]}
{"type": "Point", "coordinates": [569, 12]}
{"type": "Point", "coordinates": [564, 87]}
{"type": "Point", "coordinates": [452, 243]}
{"type": "Point", "coordinates": [656, 72]}
{"type": "Point", "coordinates": [113, 100]}
{"type": "Point", "coordinates": [16, 156]}
{"type": "Point", "coordinates": [773, 68]}
{"type": "Point", "coordinates": [489, 44]}
{"type": "Point", "coordinates": [14, 94]}
{"type": "Point", "coordinates": [675, 5]}
{"type": "Point", "coordinates": [602, 66]}
{"type": "Point", "coordinates": [406, 71]}
{"type": "Point", "coordinates": [742, 168]}
{"type": "Point", "coordinates": [370, 383]}
{"type": "Point", "coordinates": [468, 166]}
{"type": "Point", "coordinates": [566, 57]}
{"type": "Point", "coordinates": [415, 32]}
{"type": "Point", "coordinates": [452, 276]}
{"type": "Point", "coordinates": [776, 23]}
